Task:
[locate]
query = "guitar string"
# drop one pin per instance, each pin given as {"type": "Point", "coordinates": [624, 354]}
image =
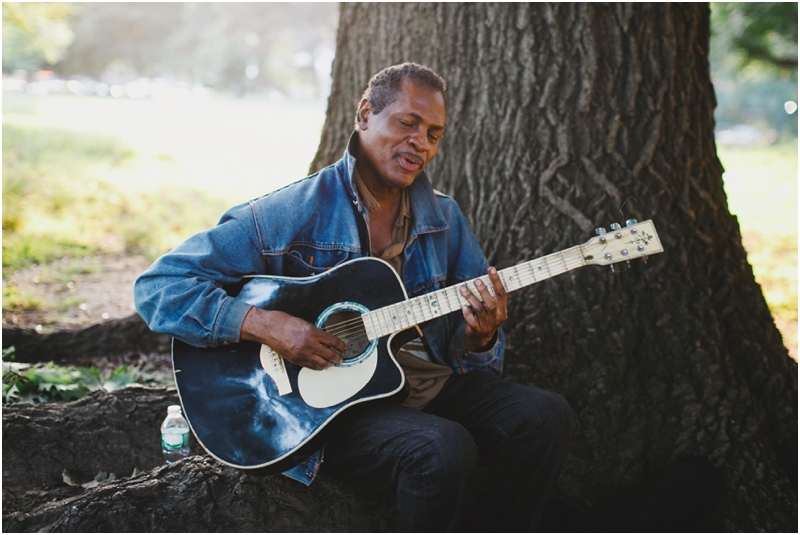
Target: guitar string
{"type": "Point", "coordinates": [355, 325]}
{"type": "Point", "coordinates": [566, 257]}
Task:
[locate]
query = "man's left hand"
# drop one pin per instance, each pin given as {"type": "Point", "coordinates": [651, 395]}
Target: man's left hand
{"type": "Point", "coordinates": [485, 313]}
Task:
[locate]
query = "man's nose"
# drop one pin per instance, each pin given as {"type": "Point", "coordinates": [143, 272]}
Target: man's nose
{"type": "Point", "coordinates": [419, 140]}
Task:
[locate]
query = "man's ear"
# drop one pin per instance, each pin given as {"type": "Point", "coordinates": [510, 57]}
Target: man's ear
{"type": "Point", "coordinates": [364, 111]}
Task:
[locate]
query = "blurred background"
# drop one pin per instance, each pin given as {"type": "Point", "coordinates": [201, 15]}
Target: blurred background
{"type": "Point", "coordinates": [127, 127]}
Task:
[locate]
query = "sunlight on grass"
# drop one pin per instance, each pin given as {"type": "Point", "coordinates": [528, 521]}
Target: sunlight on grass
{"type": "Point", "coordinates": [233, 150]}
{"type": "Point", "coordinates": [761, 185]}
{"type": "Point", "coordinates": [57, 203]}
{"type": "Point", "coordinates": [105, 176]}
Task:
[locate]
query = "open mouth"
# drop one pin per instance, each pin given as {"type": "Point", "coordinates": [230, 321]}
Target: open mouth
{"type": "Point", "coordinates": [409, 162]}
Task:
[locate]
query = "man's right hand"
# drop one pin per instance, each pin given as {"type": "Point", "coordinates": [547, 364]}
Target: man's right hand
{"type": "Point", "coordinates": [294, 339]}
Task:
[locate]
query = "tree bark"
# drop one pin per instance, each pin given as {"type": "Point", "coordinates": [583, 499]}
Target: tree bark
{"type": "Point", "coordinates": [44, 445]}
{"type": "Point", "coordinates": [197, 494]}
{"type": "Point", "coordinates": [105, 432]}
{"type": "Point", "coordinates": [114, 337]}
{"type": "Point", "coordinates": [51, 451]}
{"type": "Point", "coordinates": [558, 113]}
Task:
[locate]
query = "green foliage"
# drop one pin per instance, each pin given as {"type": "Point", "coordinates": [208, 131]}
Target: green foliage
{"type": "Point", "coordinates": [753, 60]}
{"type": "Point", "coordinates": [47, 382]}
{"type": "Point", "coordinates": [764, 32]}
{"type": "Point", "coordinates": [57, 203]}
{"type": "Point", "coordinates": [34, 34]}
{"type": "Point", "coordinates": [13, 299]}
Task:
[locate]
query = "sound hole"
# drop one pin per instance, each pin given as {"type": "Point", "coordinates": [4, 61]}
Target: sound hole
{"type": "Point", "coordinates": [349, 327]}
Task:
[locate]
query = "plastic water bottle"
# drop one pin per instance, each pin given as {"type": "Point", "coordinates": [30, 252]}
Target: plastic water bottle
{"type": "Point", "coordinates": [174, 435]}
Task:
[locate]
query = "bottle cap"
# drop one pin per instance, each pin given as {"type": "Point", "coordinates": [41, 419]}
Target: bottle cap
{"type": "Point", "coordinates": [174, 408]}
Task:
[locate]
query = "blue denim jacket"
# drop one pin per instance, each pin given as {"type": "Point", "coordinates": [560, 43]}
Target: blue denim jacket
{"type": "Point", "coordinates": [304, 229]}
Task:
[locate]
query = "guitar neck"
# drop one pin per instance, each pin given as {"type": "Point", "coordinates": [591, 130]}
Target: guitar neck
{"type": "Point", "coordinates": [399, 316]}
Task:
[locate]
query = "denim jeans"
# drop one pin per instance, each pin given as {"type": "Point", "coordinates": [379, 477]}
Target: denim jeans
{"type": "Point", "coordinates": [429, 457]}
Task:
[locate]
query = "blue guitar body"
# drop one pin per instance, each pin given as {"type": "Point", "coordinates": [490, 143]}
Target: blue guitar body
{"type": "Point", "coordinates": [243, 416]}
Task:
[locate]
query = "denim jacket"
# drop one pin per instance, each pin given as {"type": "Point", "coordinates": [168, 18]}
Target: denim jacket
{"type": "Point", "coordinates": [304, 229]}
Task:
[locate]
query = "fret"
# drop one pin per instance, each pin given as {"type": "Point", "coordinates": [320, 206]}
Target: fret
{"type": "Point", "coordinates": [448, 298]}
{"type": "Point", "coordinates": [533, 271]}
{"type": "Point", "coordinates": [552, 265]}
{"type": "Point", "coordinates": [575, 258]}
{"type": "Point", "coordinates": [448, 292]}
{"type": "Point", "coordinates": [423, 310]}
{"type": "Point", "coordinates": [433, 305]}
{"type": "Point", "coordinates": [406, 313]}
{"type": "Point", "coordinates": [510, 279]}
{"type": "Point", "coordinates": [394, 313]}
{"type": "Point", "coordinates": [441, 302]}
{"type": "Point", "coordinates": [400, 316]}
{"type": "Point", "coordinates": [390, 317]}
{"type": "Point", "coordinates": [369, 325]}
{"type": "Point", "coordinates": [536, 270]}
{"type": "Point", "coordinates": [547, 267]}
{"type": "Point", "coordinates": [561, 257]}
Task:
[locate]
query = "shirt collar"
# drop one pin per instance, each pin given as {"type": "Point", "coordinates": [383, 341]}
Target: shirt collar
{"type": "Point", "coordinates": [427, 215]}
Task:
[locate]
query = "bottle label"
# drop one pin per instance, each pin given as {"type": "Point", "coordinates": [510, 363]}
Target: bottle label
{"type": "Point", "coordinates": [174, 441]}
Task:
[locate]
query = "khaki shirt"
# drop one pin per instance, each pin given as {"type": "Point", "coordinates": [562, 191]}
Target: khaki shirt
{"type": "Point", "coordinates": [425, 378]}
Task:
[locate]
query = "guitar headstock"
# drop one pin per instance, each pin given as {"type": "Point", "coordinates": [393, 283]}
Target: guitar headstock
{"type": "Point", "coordinates": [621, 244]}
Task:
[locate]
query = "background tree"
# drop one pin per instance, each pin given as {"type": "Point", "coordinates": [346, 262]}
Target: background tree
{"type": "Point", "coordinates": [35, 34]}
{"type": "Point", "coordinates": [753, 57]}
{"type": "Point", "coordinates": [759, 31]}
{"type": "Point", "coordinates": [221, 45]}
{"type": "Point", "coordinates": [556, 115]}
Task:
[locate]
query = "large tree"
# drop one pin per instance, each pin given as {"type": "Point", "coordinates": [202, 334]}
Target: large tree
{"type": "Point", "coordinates": [556, 115]}
{"type": "Point", "coordinates": [687, 398]}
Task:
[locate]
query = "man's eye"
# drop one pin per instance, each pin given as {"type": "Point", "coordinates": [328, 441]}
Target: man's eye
{"type": "Point", "coordinates": [405, 123]}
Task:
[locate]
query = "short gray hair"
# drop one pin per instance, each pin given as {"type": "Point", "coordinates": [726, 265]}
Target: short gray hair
{"type": "Point", "coordinates": [383, 87]}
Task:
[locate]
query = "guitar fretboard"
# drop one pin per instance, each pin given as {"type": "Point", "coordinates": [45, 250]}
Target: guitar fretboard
{"type": "Point", "coordinates": [399, 316]}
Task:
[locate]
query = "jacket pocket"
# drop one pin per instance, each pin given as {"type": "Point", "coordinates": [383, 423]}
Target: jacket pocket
{"type": "Point", "coordinates": [307, 260]}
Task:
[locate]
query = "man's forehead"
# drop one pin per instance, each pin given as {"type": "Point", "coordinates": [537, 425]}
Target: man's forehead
{"type": "Point", "coordinates": [420, 102]}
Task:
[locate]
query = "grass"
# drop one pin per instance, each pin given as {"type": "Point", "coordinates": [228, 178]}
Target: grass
{"type": "Point", "coordinates": [86, 176]}
{"type": "Point", "coordinates": [761, 185]}
{"type": "Point", "coordinates": [57, 202]}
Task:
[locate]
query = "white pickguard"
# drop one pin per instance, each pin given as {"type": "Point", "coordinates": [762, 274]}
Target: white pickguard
{"type": "Point", "coordinates": [325, 388]}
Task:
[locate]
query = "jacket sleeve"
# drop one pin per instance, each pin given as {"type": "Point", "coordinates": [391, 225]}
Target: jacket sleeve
{"type": "Point", "coordinates": [182, 293]}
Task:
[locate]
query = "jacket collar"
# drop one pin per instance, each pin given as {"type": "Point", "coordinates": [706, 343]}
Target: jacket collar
{"type": "Point", "coordinates": [425, 211]}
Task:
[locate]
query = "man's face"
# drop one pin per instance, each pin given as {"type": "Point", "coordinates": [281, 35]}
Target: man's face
{"type": "Point", "coordinates": [400, 141]}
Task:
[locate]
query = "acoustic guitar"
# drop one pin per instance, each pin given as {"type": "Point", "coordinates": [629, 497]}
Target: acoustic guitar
{"type": "Point", "coordinates": [254, 411]}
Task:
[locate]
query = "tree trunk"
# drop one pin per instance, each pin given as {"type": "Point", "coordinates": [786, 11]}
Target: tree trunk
{"type": "Point", "coordinates": [47, 445]}
{"type": "Point", "coordinates": [197, 494]}
{"type": "Point", "coordinates": [105, 432]}
{"type": "Point", "coordinates": [57, 459]}
{"type": "Point", "coordinates": [114, 337]}
{"type": "Point", "coordinates": [556, 115]}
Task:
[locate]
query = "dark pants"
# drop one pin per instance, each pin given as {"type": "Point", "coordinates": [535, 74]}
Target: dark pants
{"type": "Point", "coordinates": [429, 457]}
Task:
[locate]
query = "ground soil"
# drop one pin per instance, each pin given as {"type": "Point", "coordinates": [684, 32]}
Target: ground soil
{"type": "Point", "coordinates": [73, 298]}
{"type": "Point", "coordinates": [73, 294]}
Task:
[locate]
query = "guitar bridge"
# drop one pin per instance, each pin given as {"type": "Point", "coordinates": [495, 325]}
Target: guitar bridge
{"type": "Point", "coordinates": [275, 368]}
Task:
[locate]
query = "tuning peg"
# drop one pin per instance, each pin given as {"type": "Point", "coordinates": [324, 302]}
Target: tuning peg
{"type": "Point", "coordinates": [630, 222]}
{"type": "Point", "coordinates": [615, 226]}
{"type": "Point", "coordinates": [600, 231]}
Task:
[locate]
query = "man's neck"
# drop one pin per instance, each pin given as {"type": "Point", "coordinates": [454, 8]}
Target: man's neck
{"type": "Point", "coordinates": [387, 198]}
